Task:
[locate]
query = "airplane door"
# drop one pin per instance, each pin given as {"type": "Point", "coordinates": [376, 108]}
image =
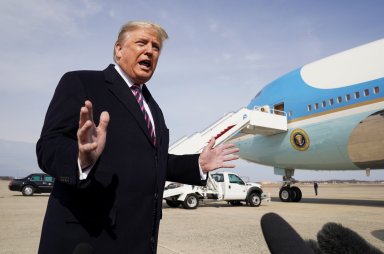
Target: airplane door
{"type": "Point", "coordinates": [235, 189]}
{"type": "Point", "coordinates": [279, 108]}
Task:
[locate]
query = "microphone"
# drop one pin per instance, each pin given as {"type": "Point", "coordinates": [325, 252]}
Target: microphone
{"type": "Point", "coordinates": [334, 238]}
{"type": "Point", "coordinates": [281, 238]}
{"type": "Point", "coordinates": [83, 248]}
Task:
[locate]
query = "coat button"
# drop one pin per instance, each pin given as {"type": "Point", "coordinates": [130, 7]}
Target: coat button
{"type": "Point", "coordinates": [156, 195]}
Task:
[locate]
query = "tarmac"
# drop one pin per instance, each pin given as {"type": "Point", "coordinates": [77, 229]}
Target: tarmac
{"type": "Point", "coordinates": [217, 227]}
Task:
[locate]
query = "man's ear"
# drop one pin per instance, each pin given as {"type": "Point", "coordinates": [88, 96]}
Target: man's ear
{"type": "Point", "coordinates": [118, 49]}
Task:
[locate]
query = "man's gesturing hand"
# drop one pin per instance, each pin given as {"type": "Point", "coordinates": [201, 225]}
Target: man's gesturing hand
{"type": "Point", "coordinates": [91, 138]}
{"type": "Point", "coordinates": [214, 158]}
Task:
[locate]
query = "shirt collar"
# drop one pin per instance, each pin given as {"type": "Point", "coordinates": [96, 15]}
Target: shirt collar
{"type": "Point", "coordinates": [125, 77]}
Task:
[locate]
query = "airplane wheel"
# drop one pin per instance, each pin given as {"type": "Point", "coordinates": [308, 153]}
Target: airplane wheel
{"type": "Point", "coordinates": [285, 194]}
{"type": "Point", "coordinates": [296, 194]}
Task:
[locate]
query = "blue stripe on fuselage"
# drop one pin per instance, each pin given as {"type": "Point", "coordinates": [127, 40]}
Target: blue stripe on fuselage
{"type": "Point", "coordinates": [296, 95]}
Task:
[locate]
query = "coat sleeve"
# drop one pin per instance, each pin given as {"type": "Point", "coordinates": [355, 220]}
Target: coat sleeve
{"type": "Point", "coordinates": [57, 148]}
{"type": "Point", "coordinates": [184, 169]}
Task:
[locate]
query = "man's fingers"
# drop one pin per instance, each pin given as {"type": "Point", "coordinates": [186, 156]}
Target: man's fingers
{"type": "Point", "coordinates": [228, 166]}
{"type": "Point", "coordinates": [83, 116]}
{"type": "Point", "coordinates": [104, 120]}
{"type": "Point", "coordinates": [88, 105]}
{"type": "Point", "coordinates": [86, 113]}
{"type": "Point", "coordinates": [211, 143]}
{"type": "Point", "coordinates": [82, 132]}
{"type": "Point", "coordinates": [228, 145]}
{"type": "Point", "coordinates": [231, 158]}
{"type": "Point", "coordinates": [208, 147]}
{"type": "Point", "coordinates": [88, 147]}
{"type": "Point", "coordinates": [230, 151]}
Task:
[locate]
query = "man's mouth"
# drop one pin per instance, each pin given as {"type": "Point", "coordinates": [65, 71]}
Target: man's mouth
{"type": "Point", "coordinates": [145, 63]}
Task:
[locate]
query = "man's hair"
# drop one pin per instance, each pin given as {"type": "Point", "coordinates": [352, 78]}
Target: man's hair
{"type": "Point", "coordinates": [135, 25]}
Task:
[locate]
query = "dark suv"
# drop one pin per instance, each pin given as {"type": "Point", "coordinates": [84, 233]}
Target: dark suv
{"type": "Point", "coordinates": [34, 183]}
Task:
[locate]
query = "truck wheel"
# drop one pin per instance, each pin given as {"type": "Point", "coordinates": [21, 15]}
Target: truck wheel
{"type": "Point", "coordinates": [191, 202]}
{"type": "Point", "coordinates": [254, 199]}
{"type": "Point", "coordinates": [172, 203]}
{"type": "Point", "coordinates": [28, 190]}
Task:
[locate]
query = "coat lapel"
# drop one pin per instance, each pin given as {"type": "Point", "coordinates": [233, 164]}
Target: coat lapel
{"type": "Point", "coordinates": [121, 91]}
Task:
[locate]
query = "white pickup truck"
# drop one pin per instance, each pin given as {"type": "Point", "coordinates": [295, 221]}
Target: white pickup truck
{"type": "Point", "coordinates": [220, 186]}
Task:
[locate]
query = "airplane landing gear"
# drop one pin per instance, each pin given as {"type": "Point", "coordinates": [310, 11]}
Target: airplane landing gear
{"type": "Point", "coordinates": [290, 194]}
{"type": "Point", "coordinates": [287, 192]}
{"type": "Point", "coordinates": [296, 194]}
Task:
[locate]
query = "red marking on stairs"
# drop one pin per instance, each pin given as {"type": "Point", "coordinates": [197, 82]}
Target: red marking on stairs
{"type": "Point", "coordinates": [224, 131]}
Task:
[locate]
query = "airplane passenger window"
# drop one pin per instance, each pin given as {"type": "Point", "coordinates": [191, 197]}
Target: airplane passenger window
{"type": "Point", "coordinates": [316, 106]}
{"type": "Point", "coordinates": [323, 104]}
{"type": "Point", "coordinates": [347, 97]}
{"type": "Point", "coordinates": [366, 92]}
{"type": "Point", "coordinates": [330, 102]}
{"type": "Point", "coordinates": [290, 113]}
{"type": "Point", "coordinates": [376, 90]}
{"type": "Point", "coordinates": [309, 108]}
{"type": "Point", "coordinates": [357, 95]}
{"type": "Point", "coordinates": [339, 99]}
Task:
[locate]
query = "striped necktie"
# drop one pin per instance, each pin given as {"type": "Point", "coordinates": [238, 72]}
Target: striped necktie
{"type": "Point", "coordinates": [139, 97]}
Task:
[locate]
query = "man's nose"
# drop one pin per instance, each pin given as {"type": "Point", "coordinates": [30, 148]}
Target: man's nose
{"type": "Point", "coordinates": [149, 49]}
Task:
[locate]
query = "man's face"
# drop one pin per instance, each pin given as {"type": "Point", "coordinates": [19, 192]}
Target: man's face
{"type": "Point", "coordinates": [137, 55]}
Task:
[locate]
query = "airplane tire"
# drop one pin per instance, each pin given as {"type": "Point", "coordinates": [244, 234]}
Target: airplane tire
{"type": "Point", "coordinates": [191, 202]}
{"type": "Point", "coordinates": [296, 194]}
{"type": "Point", "coordinates": [285, 194]}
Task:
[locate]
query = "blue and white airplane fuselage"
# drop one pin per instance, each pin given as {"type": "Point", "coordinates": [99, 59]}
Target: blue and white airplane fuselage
{"type": "Point", "coordinates": [335, 114]}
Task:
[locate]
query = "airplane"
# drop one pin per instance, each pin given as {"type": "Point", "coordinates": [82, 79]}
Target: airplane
{"type": "Point", "coordinates": [326, 115]}
{"type": "Point", "coordinates": [335, 117]}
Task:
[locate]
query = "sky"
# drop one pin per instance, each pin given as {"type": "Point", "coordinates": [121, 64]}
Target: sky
{"type": "Point", "coordinates": [219, 54]}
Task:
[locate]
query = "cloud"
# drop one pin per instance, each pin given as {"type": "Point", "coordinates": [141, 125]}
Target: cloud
{"type": "Point", "coordinates": [253, 57]}
{"type": "Point", "coordinates": [90, 8]}
{"type": "Point", "coordinates": [35, 19]}
{"type": "Point", "coordinates": [213, 26]}
{"type": "Point", "coordinates": [38, 37]}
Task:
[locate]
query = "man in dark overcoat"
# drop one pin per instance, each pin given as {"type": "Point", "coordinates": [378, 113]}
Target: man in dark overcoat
{"type": "Point", "coordinates": [105, 141]}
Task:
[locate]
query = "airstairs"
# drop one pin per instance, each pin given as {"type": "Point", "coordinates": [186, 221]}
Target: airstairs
{"type": "Point", "coordinates": [257, 121]}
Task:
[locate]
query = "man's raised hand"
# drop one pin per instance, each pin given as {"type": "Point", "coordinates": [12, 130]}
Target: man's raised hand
{"type": "Point", "coordinates": [214, 158]}
{"type": "Point", "coordinates": [91, 138]}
